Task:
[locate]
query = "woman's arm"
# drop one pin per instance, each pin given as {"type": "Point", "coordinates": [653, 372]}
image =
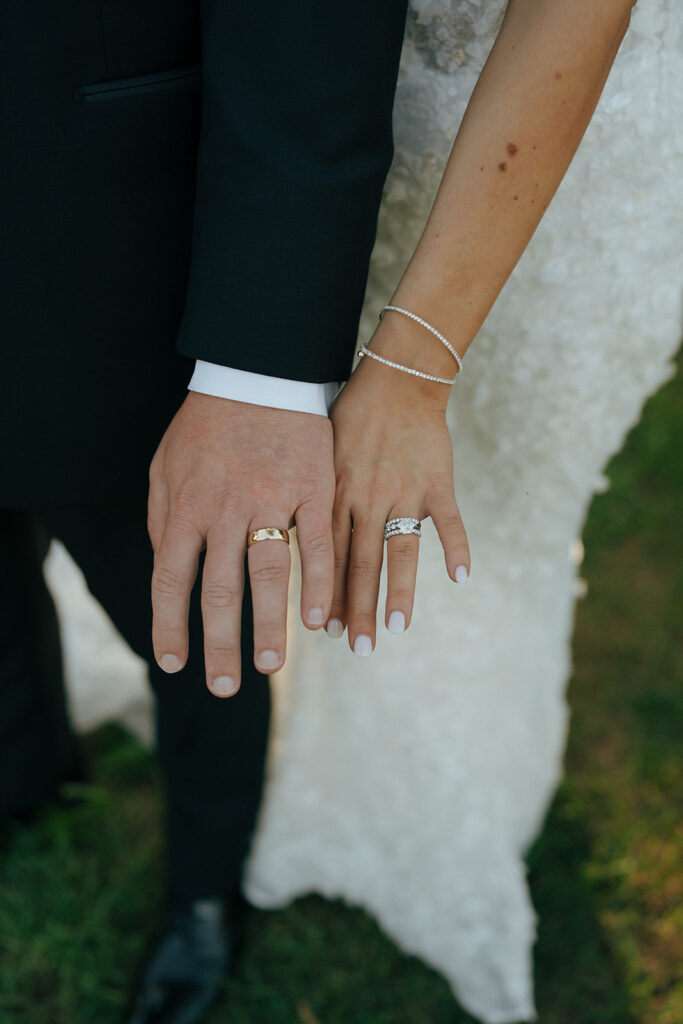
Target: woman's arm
{"type": "Point", "coordinates": [525, 119]}
{"type": "Point", "coordinates": [393, 456]}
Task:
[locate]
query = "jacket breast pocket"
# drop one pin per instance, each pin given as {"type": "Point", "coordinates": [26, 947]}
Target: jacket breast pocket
{"type": "Point", "coordinates": [126, 87]}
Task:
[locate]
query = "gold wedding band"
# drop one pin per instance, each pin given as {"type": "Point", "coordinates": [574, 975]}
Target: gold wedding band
{"type": "Point", "coordinates": [267, 533]}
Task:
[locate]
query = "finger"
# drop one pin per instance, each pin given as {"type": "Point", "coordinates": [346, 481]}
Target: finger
{"type": "Point", "coordinates": [341, 534]}
{"type": "Point", "coordinates": [365, 565]}
{"type": "Point", "coordinates": [449, 525]}
{"type": "Point", "coordinates": [175, 570]}
{"type": "Point", "coordinates": [269, 563]}
{"type": "Point", "coordinates": [222, 591]}
{"type": "Point", "coordinates": [314, 536]}
{"type": "Point", "coordinates": [402, 557]}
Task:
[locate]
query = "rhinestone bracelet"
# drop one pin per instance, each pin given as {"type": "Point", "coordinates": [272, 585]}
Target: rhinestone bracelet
{"type": "Point", "coordinates": [419, 320]}
{"type": "Point", "coordinates": [365, 351]}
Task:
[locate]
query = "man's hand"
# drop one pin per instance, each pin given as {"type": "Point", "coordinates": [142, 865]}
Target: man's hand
{"type": "Point", "coordinates": [223, 469]}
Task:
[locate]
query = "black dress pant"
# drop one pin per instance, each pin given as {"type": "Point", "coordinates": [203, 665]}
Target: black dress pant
{"type": "Point", "coordinates": [211, 750]}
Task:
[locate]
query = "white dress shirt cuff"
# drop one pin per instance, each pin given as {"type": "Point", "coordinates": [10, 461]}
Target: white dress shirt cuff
{"type": "Point", "coordinates": [258, 389]}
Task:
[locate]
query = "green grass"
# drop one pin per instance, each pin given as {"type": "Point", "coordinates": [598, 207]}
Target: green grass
{"type": "Point", "coordinates": [81, 887]}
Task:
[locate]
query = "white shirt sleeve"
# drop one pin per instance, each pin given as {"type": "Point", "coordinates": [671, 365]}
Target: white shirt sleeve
{"type": "Point", "coordinates": [258, 389]}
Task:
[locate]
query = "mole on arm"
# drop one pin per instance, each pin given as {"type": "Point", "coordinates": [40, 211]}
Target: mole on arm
{"type": "Point", "coordinates": [511, 148]}
{"type": "Point", "coordinates": [502, 167]}
{"type": "Point", "coordinates": [558, 74]}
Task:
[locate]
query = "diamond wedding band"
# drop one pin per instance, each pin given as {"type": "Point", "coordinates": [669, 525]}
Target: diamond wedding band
{"type": "Point", "coordinates": [404, 524]}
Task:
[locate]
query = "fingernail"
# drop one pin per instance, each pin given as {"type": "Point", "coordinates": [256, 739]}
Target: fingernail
{"type": "Point", "coordinates": [335, 628]}
{"type": "Point", "coordinates": [461, 574]}
{"type": "Point", "coordinates": [397, 622]}
{"type": "Point", "coordinates": [362, 645]}
{"type": "Point", "coordinates": [224, 686]}
{"type": "Point", "coordinates": [315, 617]}
{"type": "Point", "coordinates": [170, 663]}
{"type": "Point", "coordinates": [268, 659]}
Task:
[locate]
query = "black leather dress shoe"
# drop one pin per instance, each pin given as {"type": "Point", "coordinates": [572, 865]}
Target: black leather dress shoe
{"type": "Point", "coordinates": [187, 969]}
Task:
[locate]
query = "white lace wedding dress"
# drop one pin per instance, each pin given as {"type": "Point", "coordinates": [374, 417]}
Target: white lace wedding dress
{"type": "Point", "coordinates": [411, 783]}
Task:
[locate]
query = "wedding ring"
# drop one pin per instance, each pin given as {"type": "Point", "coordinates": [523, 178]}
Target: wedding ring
{"type": "Point", "coordinates": [267, 533]}
{"type": "Point", "coordinates": [404, 524]}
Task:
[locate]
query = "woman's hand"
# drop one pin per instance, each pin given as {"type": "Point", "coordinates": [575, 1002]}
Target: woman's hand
{"type": "Point", "coordinates": [393, 457]}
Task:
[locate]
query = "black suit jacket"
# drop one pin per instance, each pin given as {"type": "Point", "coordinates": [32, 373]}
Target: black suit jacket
{"type": "Point", "coordinates": [177, 180]}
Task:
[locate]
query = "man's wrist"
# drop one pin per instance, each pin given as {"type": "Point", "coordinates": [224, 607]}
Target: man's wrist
{"type": "Point", "coordinates": [260, 389]}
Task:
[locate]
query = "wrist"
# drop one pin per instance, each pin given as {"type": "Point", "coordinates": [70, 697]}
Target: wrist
{"type": "Point", "coordinates": [407, 343]}
{"type": "Point", "coordinates": [398, 392]}
{"type": "Point", "coordinates": [408, 335]}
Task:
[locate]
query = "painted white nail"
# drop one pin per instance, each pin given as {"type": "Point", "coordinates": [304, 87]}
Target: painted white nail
{"type": "Point", "coordinates": [335, 628]}
{"type": "Point", "coordinates": [397, 622]}
{"type": "Point", "coordinates": [268, 659]}
{"type": "Point", "coordinates": [170, 663]}
{"type": "Point", "coordinates": [461, 574]}
{"type": "Point", "coordinates": [224, 686]}
{"type": "Point", "coordinates": [362, 645]}
{"type": "Point", "coordinates": [315, 616]}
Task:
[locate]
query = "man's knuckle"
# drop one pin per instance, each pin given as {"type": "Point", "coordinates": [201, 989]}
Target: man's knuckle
{"type": "Point", "coordinates": [165, 580]}
{"type": "Point", "coordinates": [223, 652]}
{"type": "Point", "coordinates": [228, 507]}
{"type": "Point", "coordinates": [185, 505]}
{"type": "Point", "coordinates": [271, 632]}
{"type": "Point", "coordinates": [218, 595]}
{"type": "Point", "coordinates": [309, 488]}
{"type": "Point", "coordinates": [268, 573]}
{"type": "Point", "coordinates": [318, 544]}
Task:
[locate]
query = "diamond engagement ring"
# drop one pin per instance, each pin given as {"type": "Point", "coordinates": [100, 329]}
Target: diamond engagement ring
{"type": "Point", "coordinates": [404, 524]}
